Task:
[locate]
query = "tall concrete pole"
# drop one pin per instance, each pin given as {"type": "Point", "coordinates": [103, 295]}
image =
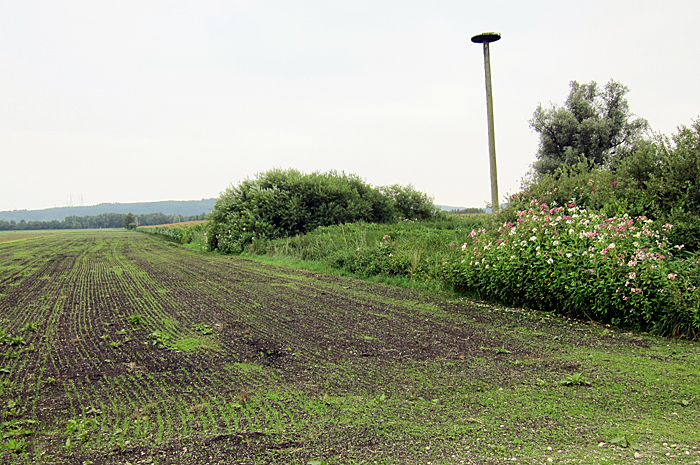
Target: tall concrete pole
{"type": "Point", "coordinates": [485, 39]}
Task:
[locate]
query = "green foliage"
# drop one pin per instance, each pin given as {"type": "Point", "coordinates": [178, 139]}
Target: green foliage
{"type": "Point", "coordinates": [577, 379]}
{"type": "Point", "coordinates": [285, 203]}
{"type": "Point", "coordinates": [408, 203]}
{"type": "Point", "coordinates": [594, 124]}
{"type": "Point", "coordinates": [662, 180]}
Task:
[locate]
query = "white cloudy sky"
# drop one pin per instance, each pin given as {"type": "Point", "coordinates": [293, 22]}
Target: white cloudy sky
{"type": "Point", "coordinates": [152, 100]}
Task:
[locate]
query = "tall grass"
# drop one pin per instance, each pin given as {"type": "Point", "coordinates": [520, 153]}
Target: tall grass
{"type": "Point", "coordinates": [408, 250]}
{"type": "Point", "coordinates": [194, 235]}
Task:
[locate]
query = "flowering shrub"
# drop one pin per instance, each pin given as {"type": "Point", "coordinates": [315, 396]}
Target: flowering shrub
{"type": "Point", "coordinates": [572, 261]}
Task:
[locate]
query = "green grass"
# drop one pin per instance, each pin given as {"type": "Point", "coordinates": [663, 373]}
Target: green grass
{"type": "Point", "coordinates": [193, 343]}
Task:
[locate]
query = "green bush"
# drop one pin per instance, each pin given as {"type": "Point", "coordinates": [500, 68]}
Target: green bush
{"type": "Point", "coordinates": [285, 203]}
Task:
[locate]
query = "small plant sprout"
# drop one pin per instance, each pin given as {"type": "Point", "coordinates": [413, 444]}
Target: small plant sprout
{"type": "Point", "coordinates": [203, 329]}
{"type": "Point", "coordinates": [79, 428]}
{"type": "Point", "coordinates": [15, 446]}
{"type": "Point", "coordinates": [135, 319]}
{"type": "Point", "coordinates": [161, 340]}
{"type": "Point", "coordinates": [502, 350]}
{"type": "Point", "coordinates": [623, 442]}
{"type": "Point", "coordinates": [93, 411]}
{"type": "Point", "coordinates": [18, 340]}
{"type": "Point", "coordinates": [577, 379]}
{"type": "Point", "coordinates": [30, 327]}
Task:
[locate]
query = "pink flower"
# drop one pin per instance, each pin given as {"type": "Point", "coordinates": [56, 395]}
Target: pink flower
{"type": "Point", "coordinates": [672, 275]}
{"type": "Point", "coordinates": [614, 183]}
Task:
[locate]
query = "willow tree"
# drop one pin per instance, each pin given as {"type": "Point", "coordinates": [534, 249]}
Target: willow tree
{"type": "Point", "coordinates": [595, 124]}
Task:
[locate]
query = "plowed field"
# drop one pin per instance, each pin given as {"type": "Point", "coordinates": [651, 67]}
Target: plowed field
{"type": "Point", "coordinates": [118, 347]}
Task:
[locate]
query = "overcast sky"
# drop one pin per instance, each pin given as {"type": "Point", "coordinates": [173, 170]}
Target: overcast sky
{"type": "Point", "coordinates": [134, 101]}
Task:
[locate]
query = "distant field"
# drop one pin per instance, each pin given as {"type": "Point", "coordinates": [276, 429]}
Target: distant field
{"type": "Point", "coordinates": [473, 214]}
{"type": "Point", "coordinates": [11, 236]}
{"type": "Point", "coordinates": [183, 225]}
{"type": "Point", "coordinates": [119, 348]}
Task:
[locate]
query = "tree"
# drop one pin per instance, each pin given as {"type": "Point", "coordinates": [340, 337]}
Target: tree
{"type": "Point", "coordinates": [594, 124]}
{"type": "Point", "coordinates": [129, 221]}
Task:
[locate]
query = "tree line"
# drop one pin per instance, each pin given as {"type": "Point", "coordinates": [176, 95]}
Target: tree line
{"type": "Point", "coordinates": [102, 221]}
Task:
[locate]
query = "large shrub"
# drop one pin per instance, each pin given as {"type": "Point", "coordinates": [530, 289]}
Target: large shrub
{"type": "Point", "coordinates": [284, 203]}
{"type": "Point", "coordinates": [566, 259]}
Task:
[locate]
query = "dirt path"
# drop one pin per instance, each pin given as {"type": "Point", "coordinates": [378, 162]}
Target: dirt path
{"type": "Point", "coordinates": [146, 352]}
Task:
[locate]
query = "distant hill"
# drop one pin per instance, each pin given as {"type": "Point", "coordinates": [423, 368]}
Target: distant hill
{"type": "Point", "coordinates": [168, 207]}
{"type": "Point", "coordinates": [447, 208]}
